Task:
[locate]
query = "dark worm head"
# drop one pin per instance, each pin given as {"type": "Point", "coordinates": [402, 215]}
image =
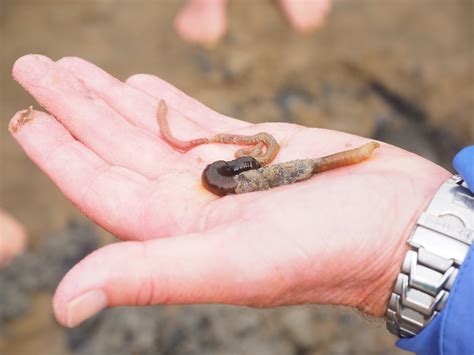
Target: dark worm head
{"type": "Point", "coordinates": [218, 177]}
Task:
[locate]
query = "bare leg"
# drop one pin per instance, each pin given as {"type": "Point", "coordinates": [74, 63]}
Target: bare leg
{"type": "Point", "coordinates": [12, 238]}
{"type": "Point", "coordinates": [202, 21]}
{"type": "Point", "coordinates": [306, 15]}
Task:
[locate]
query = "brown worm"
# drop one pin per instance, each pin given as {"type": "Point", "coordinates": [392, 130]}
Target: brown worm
{"type": "Point", "coordinates": [346, 157]}
{"type": "Point", "coordinates": [248, 173]}
{"type": "Point", "coordinates": [280, 174]}
{"type": "Point", "coordinates": [218, 177]}
{"type": "Point", "coordinates": [178, 144]}
{"type": "Point", "coordinates": [258, 141]}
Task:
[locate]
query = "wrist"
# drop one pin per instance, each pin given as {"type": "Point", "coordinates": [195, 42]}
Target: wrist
{"type": "Point", "coordinates": [438, 247]}
{"type": "Point", "coordinates": [375, 293]}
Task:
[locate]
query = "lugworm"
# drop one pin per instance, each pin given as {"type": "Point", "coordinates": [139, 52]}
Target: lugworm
{"type": "Point", "coordinates": [219, 177]}
{"type": "Point", "coordinates": [284, 173]}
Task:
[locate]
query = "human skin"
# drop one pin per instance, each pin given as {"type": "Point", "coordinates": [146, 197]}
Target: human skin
{"type": "Point", "coordinates": [202, 21]}
{"type": "Point", "coordinates": [306, 15]}
{"type": "Point", "coordinates": [337, 238]}
{"type": "Point", "coordinates": [205, 22]}
{"type": "Point", "coordinates": [12, 238]}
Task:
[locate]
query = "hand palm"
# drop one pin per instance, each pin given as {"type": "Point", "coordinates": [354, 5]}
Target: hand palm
{"type": "Point", "coordinates": [281, 246]}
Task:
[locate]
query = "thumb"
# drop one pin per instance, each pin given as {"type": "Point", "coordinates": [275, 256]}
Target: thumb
{"type": "Point", "coordinates": [205, 268]}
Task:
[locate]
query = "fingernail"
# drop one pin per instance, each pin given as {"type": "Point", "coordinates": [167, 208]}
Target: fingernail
{"type": "Point", "coordinates": [85, 306]}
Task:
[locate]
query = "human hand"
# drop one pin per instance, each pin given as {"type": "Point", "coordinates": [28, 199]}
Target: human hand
{"type": "Point", "coordinates": [12, 238]}
{"type": "Point", "coordinates": [337, 238]}
{"type": "Point", "coordinates": [205, 22]}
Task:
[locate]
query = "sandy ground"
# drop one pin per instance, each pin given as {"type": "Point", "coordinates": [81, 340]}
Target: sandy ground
{"type": "Point", "coordinates": [392, 70]}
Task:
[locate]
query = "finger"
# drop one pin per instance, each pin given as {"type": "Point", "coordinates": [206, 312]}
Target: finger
{"type": "Point", "coordinates": [111, 196]}
{"type": "Point", "coordinates": [181, 270]}
{"type": "Point", "coordinates": [136, 106]}
{"type": "Point", "coordinates": [92, 121]}
{"type": "Point", "coordinates": [305, 16]}
{"type": "Point", "coordinates": [12, 238]}
{"type": "Point", "coordinates": [192, 108]}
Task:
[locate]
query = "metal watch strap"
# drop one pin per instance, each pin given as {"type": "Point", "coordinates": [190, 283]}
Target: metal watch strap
{"type": "Point", "coordinates": [439, 244]}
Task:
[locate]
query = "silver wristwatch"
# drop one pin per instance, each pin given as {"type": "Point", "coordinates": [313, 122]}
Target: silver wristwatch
{"type": "Point", "coordinates": [439, 244]}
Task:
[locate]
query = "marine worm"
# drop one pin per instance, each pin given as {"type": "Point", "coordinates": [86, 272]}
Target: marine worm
{"type": "Point", "coordinates": [218, 177]}
{"type": "Point", "coordinates": [249, 172]}
{"type": "Point", "coordinates": [284, 173]}
{"type": "Point", "coordinates": [346, 157]}
{"type": "Point", "coordinates": [178, 144]}
{"type": "Point", "coordinates": [258, 141]}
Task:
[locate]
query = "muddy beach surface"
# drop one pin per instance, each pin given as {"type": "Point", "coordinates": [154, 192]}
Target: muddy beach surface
{"type": "Point", "coordinates": [388, 70]}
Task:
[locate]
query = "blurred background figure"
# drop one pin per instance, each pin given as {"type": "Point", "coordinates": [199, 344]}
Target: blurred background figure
{"type": "Point", "coordinates": [12, 238]}
{"type": "Point", "coordinates": [205, 22]}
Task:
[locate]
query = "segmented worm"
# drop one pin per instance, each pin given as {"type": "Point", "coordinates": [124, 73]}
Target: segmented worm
{"type": "Point", "coordinates": [346, 157]}
{"type": "Point", "coordinates": [248, 173]}
{"type": "Point", "coordinates": [258, 141]}
{"type": "Point", "coordinates": [279, 174]}
{"type": "Point", "coordinates": [219, 177]}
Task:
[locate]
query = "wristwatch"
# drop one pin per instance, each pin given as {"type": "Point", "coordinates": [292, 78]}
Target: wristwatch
{"type": "Point", "coordinates": [439, 243]}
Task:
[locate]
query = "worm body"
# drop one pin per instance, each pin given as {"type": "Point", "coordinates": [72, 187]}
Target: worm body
{"type": "Point", "coordinates": [242, 175]}
{"type": "Point", "coordinates": [218, 177]}
{"type": "Point", "coordinates": [258, 141]}
{"type": "Point", "coordinates": [297, 170]}
{"type": "Point", "coordinates": [249, 172]}
{"type": "Point", "coordinates": [178, 144]}
{"type": "Point", "coordinates": [344, 158]}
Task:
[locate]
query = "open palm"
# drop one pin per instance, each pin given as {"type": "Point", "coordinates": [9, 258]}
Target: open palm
{"type": "Point", "coordinates": [337, 238]}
